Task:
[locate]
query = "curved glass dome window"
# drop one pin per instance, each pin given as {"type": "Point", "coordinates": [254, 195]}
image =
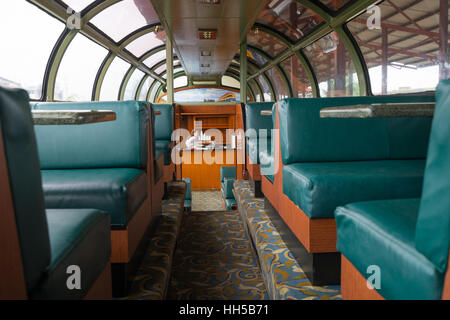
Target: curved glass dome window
{"type": "Point", "coordinates": [78, 69]}
{"type": "Point", "coordinates": [267, 95]}
{"type": "Point", "coordinates": [253, 54]}
{"type": "Point", "coordinates": [230, 82]}
{"type": "Point", "coordinates": [24, 26]}
{"type": "Point", "coordinates": [176, 69]}
{"type": "Point", "coordinates": [281, 91]}
{"type": "Point", "coordinates": [78, 5]}
{"type": "Point", "coordinates": [334, 5]}
{"type": "Point", "coordinates": [124, 17]}
{"type": "Point", "coordinates": [113, 79]}
{"type": "Point", "coordinates": [210, 94]}
{"type": "Point", "coordinates": [289, 18]}
{"type": "Point", "coordinates": [146, 42]}
{"type": "Point", "coordinates": [180, 82]}
{"type": "Point", "coordinates": [155, 58]}
{"type": "Point", "coordinates": [298, 78]}
{"type": "Point", "coordinates": [132, 86]}
{"type": "Point", "coordinates": [412, 58]}
{"type": "Point", "coordinates": [145, 87]}
{"type": "Point", "coordinates": [265, 42]}
{"type": "Point", "coordinates": [333, 67]}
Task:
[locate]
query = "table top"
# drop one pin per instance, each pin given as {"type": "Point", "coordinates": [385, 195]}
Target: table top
{"type": "Point", "coordinates": [71, 117]}
{"type": "Point", "coordinates": [385, 110]}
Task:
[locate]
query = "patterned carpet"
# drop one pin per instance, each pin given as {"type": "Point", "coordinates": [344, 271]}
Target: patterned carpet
{"type": "Point", "coordinates": [152, 277]}
{"type": "Point", "coordinates": [283, 275]}
{"type": "Point", "coordinates": [210, 200]}
{"type": "Point", "coordinates": [214, 260]}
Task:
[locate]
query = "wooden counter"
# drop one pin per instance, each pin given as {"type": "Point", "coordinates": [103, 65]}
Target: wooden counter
{"type": "Point", "coordinates": [201, 167]}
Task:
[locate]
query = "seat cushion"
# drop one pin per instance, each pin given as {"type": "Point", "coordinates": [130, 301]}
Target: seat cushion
{"type": "Point", "coordinates": [163, 146]}
{"type": "Point", "coordinates": [318, 188]}
{"type": "Point", "coordinates": [229, 203]}
{"type": "Point", "coordinates": [381, 233]}
{"type": "Point", "coordinates": [254, 147]}
{"type": "Point", "coordinates": [79, 237]}
{"type": "Point", "coordinates": [120, 192]}
{"type": "Point", "coordinates": [188, 188]}
{"type": "Point", "coordinates": [227, 189]}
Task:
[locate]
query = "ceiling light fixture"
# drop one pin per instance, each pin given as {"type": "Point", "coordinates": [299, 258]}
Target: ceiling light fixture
{"type": "Point", "coordinates": [207, 34]}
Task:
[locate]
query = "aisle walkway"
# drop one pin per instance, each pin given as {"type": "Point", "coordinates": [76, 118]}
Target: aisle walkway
{"type": "Point", "coordinates": [214, 260]}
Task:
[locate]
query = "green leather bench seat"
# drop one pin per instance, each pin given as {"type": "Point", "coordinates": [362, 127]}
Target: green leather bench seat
{"type": "Point", "coordinates": [382, 233]}
{"type": "Point", "coordinates": [99, 165]}
{"type": "Point", "coordinates": [118, 191]}
{"type": "Point", "coordinates": [78, 237]}
{"type": "Point", "coordinates": [254, 120]}
{"type": "Point", "coordinates": [331, 162]}
{"type": "Point", "coordinates": [267, 161]}
{"type": "Point", "coordinates": [51, 240]}
{"type": "Point", "coordinates": [163, 127]}
{"type": "Point", "coordinates": [227, 177]}
{"type": "Point", "coordinates": [164, 146]}
{"type": "Point", "coordinates": [229, 203]}
{"type": "Point", "coordinates": [319, 187]}
{"type": "Point", "coordinates": [188, 197]}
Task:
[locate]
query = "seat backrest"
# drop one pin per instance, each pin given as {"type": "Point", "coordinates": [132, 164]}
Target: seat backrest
{"type": "Point", "coordinates": [25, 181]}
{"type": "Point", "coordinates": [164, 122]}
{"type": "Point", "coordinates": [254, 119]}
{"type": "Point", "coordinates": [227, 173]}
{"type": "Point", "coordinates": [113, 144]}
{"type": "Point", "coordinates": [305, 137]}
{"type": "Point", "coordinates": [433, 223]}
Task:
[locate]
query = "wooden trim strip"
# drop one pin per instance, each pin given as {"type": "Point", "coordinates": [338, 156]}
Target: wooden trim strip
{"type": "Point", "coordinates": [101, 289]}
{"type": "Point", "coordinates": [124, 242]}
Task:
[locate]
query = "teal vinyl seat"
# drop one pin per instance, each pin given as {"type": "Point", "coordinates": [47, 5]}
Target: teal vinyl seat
{"type": "Point", "coordinates": [118, 191]}
{"type": "Point", "coordinates": [188, 197]}
{"type": "Point", "coordinates": [408, 239]}
{"type": "Point", "coordinates": [254, 122]}
{"type": "Point", "coordinates": [331, 162]}
{"type": "Point", "coordinates": [100, 165]}
{"type": "Point", "coordinates": [50, 240]}
{"type": "Point", "coordinates": [322, 186]}
{"type": "Point", "coordinates": [227, 178]}
{"type": "Point", "coordinates": [163, 127]}
{"type": "Point", "coordinates": [382, 233]}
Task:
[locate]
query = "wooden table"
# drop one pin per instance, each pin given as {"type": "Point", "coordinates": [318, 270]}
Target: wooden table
{"type": "Point", "coordinates": [71, 117]}
{"type": "Point", "coordinates": [386, 110]}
